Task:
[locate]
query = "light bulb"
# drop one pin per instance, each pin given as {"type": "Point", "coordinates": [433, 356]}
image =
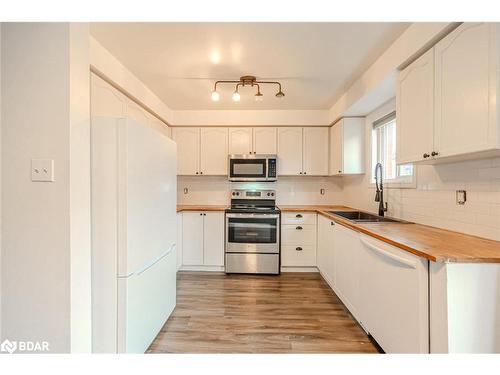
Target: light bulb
{"type": "Point", "coordinates": [236, 97]}
{"type": "Point", "coordinates": [215, 96]}
{"type": "Point", "coordinates": [259, 97]}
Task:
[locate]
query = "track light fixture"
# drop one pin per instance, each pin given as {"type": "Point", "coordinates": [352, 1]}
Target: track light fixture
{"type": "Point", "coordinates": [246, 81]}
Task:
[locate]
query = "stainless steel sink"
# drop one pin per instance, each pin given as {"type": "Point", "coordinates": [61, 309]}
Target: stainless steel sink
{"type": "Point", "coordinates": [364, 217]}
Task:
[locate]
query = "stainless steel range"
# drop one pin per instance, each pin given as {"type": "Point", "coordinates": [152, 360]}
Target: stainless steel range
{"type": "Point", "coordinates": [253, 233]}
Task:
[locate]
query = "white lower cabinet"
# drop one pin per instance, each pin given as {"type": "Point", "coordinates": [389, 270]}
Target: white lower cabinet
{"type": "Point", "coordinates": [346, 271]}
{"type": "Point", "coordinates": [325, 259]}
{"type": "Point", "coordinates": [203, 239]}
{"type": "Point", "coordinates": [298, 239]}
{"type": "Point", "coordinates": [394, 303]}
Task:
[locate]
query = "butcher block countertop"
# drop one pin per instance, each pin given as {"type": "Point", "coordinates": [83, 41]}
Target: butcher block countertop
{"type": "Point", "coordinates": [194, 207]}
{"type": "Point", "coordinates": [434, 244]}
{"type": "Point", "coordinates": [437, 245]}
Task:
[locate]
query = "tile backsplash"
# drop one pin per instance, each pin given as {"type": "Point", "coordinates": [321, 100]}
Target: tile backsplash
{"type": "Point", "coordinates": [433, 201]}
{"type": "Point", "coordinates": [289, 190]}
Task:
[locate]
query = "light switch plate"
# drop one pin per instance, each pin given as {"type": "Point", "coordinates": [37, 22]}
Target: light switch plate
{"type": "Point", "coordinates": [42, 170]}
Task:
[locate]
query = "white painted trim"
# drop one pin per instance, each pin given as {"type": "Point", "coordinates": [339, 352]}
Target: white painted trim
{"type": "Point", "coordinates": [299, 269]}
{"type": "Point", "coordinates": [202, 268]}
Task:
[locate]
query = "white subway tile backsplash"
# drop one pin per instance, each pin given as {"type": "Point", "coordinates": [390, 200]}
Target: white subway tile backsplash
{"type": "Point", "coordinates": [433, 201]}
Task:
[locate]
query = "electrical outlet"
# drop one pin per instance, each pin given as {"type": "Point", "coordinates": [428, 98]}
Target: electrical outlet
{"type": "Point", "coordinates": [322, 191]}
{"type": "Point", "coordinates": [42, 170]}
{"type": "Point", "coordinates": [186, 190]}
{"type": "Point", "coordinates": [461, 197]}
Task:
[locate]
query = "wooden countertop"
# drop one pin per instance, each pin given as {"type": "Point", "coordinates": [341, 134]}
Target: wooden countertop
{"type": "Point", "coordinates": [195, 207]}
{"type": "Point", "coordinates": [437, 245]}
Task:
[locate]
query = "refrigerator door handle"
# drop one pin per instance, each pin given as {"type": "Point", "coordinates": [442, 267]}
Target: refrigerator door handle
{"type": "Point", "coordinates": [150, 264]}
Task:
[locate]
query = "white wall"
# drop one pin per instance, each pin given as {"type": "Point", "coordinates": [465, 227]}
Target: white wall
{"type": "Point", "coordinates": [1, 295]}
{"type": "Point", "coordinates": [377, 84]}
{"type": "Point", "coordinates": [45, 113]}
{"type": "Point", "coordinates": [251, 118]}
{"type": "Point", "coordinates": [432, 202]}
{"type": "Point", "coordinates": [289, 190]}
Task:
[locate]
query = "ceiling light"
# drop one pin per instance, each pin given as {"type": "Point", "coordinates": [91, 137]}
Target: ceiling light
{"type": "Point", "coordinates": [215, 96]}
{"type": "Point", "coordinates": [259, 97]}
{"type": "Point", "coordinates": [247, 81]}
{"type": "Point", "coordinates": [236, 95]}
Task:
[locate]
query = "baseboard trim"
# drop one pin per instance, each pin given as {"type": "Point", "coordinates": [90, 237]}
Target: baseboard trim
{"type": "Point", "coordinates": [202, 268]}
{"type": "Point", "coordinates": [299, 269]}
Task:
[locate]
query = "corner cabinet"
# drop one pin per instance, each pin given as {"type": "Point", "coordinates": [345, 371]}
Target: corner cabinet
{"type": "Point", "coordinates": [303, 151]}
{"type": "Point", "coordinates": [347, 147]}
{"type": "Point", "coordinates": [447, 100]}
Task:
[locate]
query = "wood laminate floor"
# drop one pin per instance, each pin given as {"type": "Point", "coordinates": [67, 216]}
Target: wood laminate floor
{"type": "Point", "coordinates": [290, 313]}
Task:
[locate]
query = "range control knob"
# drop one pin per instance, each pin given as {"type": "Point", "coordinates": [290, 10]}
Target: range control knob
{"type": "Point", "coordinates": [268, 194]}
{"type": "Point", "coordinates": [234, 193]}
{"type": "Point", "coordinates": [237, 193]}
{"type": "Point", "coordinates": [272, 194]}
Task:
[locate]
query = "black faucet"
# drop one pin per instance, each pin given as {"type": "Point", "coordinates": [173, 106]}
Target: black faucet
{"type": "Point", "coordinates": [379, 195]}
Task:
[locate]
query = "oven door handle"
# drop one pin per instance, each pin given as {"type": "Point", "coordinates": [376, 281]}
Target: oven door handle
{"type": "Point", "coordinates": [253, 216]}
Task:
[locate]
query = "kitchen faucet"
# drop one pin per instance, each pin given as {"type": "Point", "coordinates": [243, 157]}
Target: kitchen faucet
{"type": "Point", "coordinates": [379, 195]}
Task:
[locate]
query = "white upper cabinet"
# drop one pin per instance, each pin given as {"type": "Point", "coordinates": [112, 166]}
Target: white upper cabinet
{"type": "Point", "coordinates": [465, 90]}
{"type": "Point", "coordinates": [447, 100]}
{"type": "Point", "coordinates": [240, 141]}
{"type": "Point", "coordinates": [415, 110]}
{"type": "Point", "coordinates": [264, 140]}
{"type": "Point", "coordinates": [315, 151]}
{"type": "Point", "coordinates": [347, 146]}
{"type": "Point", "coordinates": [188, 150]}
{"type": "Point", "coordinates": [213, 151]}
{"type": "Point", "coordinates": [290, 151]}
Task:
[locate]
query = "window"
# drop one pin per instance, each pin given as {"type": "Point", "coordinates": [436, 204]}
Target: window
{"type": "Point", "coordinates": [384, 152]}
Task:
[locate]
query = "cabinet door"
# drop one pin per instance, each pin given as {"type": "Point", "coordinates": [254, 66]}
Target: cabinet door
{"type": "Point", "coordinates": [240, 140]}
{"type": "Point", "coordinates": [214, 151]}
{"type": "Point", "coordinates": [464, 90]}
{"type": "Point", "coordinates": [290, 151]}
{"type": "Point", "coordinates": [336, 151]}
{"type": "Point", "coordinates": [213, 242]}
{"type": "Point", "coordinates": [346, 267]}
{"type": "Point", "coordinates": [325, 249]}
{"type": "Point", "coordinates": [106, 101]}
{"type": "Point", "coordinates": [179, 240]}
{"type": "Point", "coordinates": [264, 140]}
{"type": "Point", "coordinates": [315, 151]}
{"type": "Point", "coordinates": [188, 150]}
{"type": "Point", "coordinates": [415, 110]}
{"type": "Point", "coordinates": [394, 297]}
{"type": "Point", "coordinates": [192, 239]}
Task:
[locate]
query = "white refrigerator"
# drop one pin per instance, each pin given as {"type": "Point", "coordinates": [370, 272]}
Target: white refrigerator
{"type": "Point", "coordinates": [134, 228]}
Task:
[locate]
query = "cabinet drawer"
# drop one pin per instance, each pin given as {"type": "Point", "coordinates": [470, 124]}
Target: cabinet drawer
{"type": "Point", "coordinates": [294, 236]}
{"type": "Point", "coordinates": [298, 218]}
{"type": "Point", "coordinates": [298, 256]}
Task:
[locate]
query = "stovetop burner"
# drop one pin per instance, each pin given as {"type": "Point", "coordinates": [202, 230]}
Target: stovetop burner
{"type": "Point", "coordinates": [253, 201]}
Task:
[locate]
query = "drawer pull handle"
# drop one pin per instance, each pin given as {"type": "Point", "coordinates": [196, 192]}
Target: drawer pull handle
{"type": "Point", "coordinates": [298, 216]}
{"type": "Point", "coordinates": [298, 228]}
{"type": "Point", "coordinates": [298, 248]}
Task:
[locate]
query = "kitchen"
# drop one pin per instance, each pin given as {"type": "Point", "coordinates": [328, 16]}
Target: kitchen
{"type": "Point", "coordinates": [222, 200]}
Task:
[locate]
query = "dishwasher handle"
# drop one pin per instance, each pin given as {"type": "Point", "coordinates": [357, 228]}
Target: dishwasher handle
{"type": "Point", "coordinates": [387, 254]}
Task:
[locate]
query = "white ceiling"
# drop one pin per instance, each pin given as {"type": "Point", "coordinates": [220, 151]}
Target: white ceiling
{"type": "Point", "coordinates": [315, 62]}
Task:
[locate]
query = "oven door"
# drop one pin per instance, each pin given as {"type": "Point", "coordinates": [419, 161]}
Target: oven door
{"type": "Point", "coordinates": [252, 233]}
{"type": "Point", "coordinates": [252, 169]}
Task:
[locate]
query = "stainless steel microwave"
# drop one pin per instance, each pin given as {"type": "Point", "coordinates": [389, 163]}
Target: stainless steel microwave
{"type": "Point", "coordinates": [251, 167]}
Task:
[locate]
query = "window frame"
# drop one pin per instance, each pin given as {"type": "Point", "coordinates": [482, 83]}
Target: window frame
{"type": "Point", "coordinates": [380, 120]}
